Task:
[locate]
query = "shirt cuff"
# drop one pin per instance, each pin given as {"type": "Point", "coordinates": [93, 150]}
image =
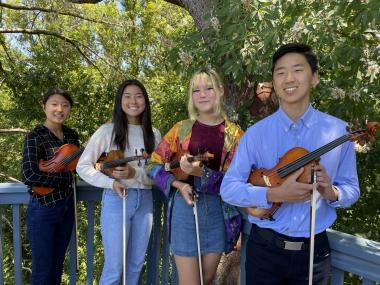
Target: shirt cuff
{"type": "Point", "coordinates": [337, 203]}
{"type": "Point", "coordinates": [259, 196]}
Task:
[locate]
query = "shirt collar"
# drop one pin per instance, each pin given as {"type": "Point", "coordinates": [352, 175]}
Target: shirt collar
{"type": "Point", "coordinates": [307, 119]}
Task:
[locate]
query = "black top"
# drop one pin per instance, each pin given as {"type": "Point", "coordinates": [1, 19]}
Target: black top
{"type": "Point", "coordinates": [39, 144]}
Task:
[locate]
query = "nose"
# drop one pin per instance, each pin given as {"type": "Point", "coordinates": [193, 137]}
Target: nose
{"type": "Point", "coordinates": [59, 107]}
{"type": "Point", "coordinates": [203, 92]}
{"type": "Point", "coordinates": [289, 76]}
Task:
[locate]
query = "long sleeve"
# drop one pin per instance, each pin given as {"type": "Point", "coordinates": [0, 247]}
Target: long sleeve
{"type": "Point", "coordinates": [98, 143]}
{"type": "Point", "coordinates": [31, 175]}
{"type": "Point", "coordinates": [346, 180]}
{"type": "Point", "coordinates": [235, 189]}
{"type": "Point", "coordinates": [164, 152]}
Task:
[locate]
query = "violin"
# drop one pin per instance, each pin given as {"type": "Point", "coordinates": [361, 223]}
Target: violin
{"type": "Point", "coordinates": [296, 158]}
{"type": "Point", "coordinates": [174, 166]}
{"type": "Point", "coordinates": [108, 161]}
{"type": "Point", "coordinates": [64, 159]}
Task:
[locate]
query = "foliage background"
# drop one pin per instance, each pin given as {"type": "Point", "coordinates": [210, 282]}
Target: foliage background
{"type": "Point", "coordinates": [90, 49]}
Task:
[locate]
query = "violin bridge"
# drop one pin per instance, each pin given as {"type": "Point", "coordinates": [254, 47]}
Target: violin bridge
{"type": "Point", "coordinates": [267, 181]}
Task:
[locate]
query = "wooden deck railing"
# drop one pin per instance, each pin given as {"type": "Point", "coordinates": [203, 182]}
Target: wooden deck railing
{"type": "Point", "coordinates": [349, 253]}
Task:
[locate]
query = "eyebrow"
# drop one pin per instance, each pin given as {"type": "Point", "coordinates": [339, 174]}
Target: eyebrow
{"type": "Point", "coordinates": [58, 101]}
{"type": "Point", "coordinates": [293, 66]}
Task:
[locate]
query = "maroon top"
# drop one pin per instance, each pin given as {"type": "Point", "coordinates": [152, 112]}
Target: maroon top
{"type": "Point", "coordinates": [208, 138]}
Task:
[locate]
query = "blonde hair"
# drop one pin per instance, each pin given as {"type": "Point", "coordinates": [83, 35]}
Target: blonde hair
{"type": "Point", "coordinates": [217, 84]}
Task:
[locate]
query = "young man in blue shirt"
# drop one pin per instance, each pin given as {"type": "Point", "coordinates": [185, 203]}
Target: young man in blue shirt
{"type": "Point", "coordinates": [278, 248]}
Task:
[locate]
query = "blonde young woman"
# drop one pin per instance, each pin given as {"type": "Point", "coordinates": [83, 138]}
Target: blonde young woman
{"type": "Point", "coordinates": [207, 130]}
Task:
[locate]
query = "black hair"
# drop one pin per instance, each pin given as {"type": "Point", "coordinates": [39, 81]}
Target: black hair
{"type": "Point", "coordinates": [120, 120]}
{"type": "Point", "coordinates": [296, 48]}
{"type": "Point", "coordinates": [57, 91]}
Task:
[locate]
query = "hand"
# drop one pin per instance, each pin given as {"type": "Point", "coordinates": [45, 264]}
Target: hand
{"type": "Point", "coordinates": [290, 190]}
{"type": "Point", "coordinates": [187, 193]}
{"type": "Point", "coordinates": [324, 185]}
{"type": "Point", "coordinates": [119, 188]}
{"type": "Point", "coordinates": [191, 168]}
{"type": "Point", "coordinates": [123, 172]}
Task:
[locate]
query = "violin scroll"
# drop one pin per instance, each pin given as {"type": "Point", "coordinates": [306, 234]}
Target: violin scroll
{"type": "Point", "coordinates": [367, 134]}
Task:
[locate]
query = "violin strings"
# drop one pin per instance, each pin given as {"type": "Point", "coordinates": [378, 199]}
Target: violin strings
{"type": "Point", "coordinates": [71, 157]}
{"type": "Point", "coordinates": [309, 157]}
{"type": "Point", "coordinates": [117, 162]}
{"type": "Point", "coordinates": [283, 171]}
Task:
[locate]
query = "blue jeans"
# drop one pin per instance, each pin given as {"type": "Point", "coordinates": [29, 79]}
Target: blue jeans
{"type": "Point", "coordinates": [139, 219]}
{"type": "Point", "coordinates": [49, 230]}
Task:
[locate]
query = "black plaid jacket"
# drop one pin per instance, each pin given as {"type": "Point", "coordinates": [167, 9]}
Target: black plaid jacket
{"type": "Point", "coordinates": [39, 144]}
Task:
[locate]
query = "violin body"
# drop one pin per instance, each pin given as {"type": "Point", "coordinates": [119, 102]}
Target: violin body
{"type": "Point", "coordinates": [64, 159]}
{"type": "Point", "coordinates": [42, 190]}
{"type": "Point", "coordinates": [105, 157]}
{"type": "Point", "coordinates": [174, 165]}
{"type": "Point", "coordinates": [271, 178]}
{"type": "Point", "coordinates": [107, 162]}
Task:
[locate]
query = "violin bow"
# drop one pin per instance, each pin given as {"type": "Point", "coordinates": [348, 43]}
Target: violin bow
{"type": "Point", "coordinates": [75, 218]}
{"type": "Point", "coordinates": [313, 203]}
{"type": "Point", "coordinates": [124, 237]}
{"type": "Point", "coordinates": [195, 210]}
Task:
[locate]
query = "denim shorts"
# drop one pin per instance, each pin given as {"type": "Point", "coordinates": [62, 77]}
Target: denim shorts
{"type": "Point", "coordinates": [211, 226]}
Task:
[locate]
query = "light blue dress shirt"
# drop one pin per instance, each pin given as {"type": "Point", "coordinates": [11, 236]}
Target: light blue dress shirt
{"type": "Point", "coordinates": [266, 142]}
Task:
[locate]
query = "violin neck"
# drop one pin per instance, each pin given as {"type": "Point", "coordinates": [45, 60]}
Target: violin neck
{"type": "Point", "coordinates": [302, 161]}
{"type": "Point", "coordinates": [118, 162]}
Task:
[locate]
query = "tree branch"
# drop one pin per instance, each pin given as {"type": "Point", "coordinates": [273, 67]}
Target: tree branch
{"type": "Point", "coordinates": [175, 2]}
{"type": "Point", "coordinates": [73, 42]}
{"type": "Point", "coordinates": [85, 1]}
{"type": "Point", "coordinates": [13, 131]}
{"type": "Point", "coordinates": [6, 52]}
{"type": "Point", "coordinates": [25, 8]}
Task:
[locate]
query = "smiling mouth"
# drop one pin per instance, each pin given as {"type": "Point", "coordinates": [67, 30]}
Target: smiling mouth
{"type": "Point", "coordinates": [290, 90]}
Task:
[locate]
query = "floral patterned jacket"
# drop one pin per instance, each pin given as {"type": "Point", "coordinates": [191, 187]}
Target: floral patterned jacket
{"type": "Point", "coordinates": [176, 141]}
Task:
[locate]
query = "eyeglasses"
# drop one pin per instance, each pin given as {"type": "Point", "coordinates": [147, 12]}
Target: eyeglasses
{"type": "Point", "coordinates": [206, 91]}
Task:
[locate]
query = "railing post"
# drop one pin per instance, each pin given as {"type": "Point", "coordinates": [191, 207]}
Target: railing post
{"type": "Point", "coordinates": [72, 259]}
{"type": "Point", "coordinates": [1, 247]}
{"type": "Point", "coordinates": [165, 250]}
{"type": "Point", "coordinates": [17, 243]}
{"type": "Point", "coordinates": [90, 241]}
{"type": "Point", "coordinates": [337, 276]}
{"type": "Point", "coordinates": [153, 255]}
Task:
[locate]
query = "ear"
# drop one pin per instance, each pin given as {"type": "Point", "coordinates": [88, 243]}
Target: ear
{"type": "Point", "coordinates": [315, 79]}
{"type": "Point", "coordinates": [221, 91]}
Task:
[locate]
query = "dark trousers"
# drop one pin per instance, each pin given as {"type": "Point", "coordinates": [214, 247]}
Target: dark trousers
{"type": "Point", "coordinates": [269, 263]}
{"type": "Point", "coordinates": [49, 230]}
